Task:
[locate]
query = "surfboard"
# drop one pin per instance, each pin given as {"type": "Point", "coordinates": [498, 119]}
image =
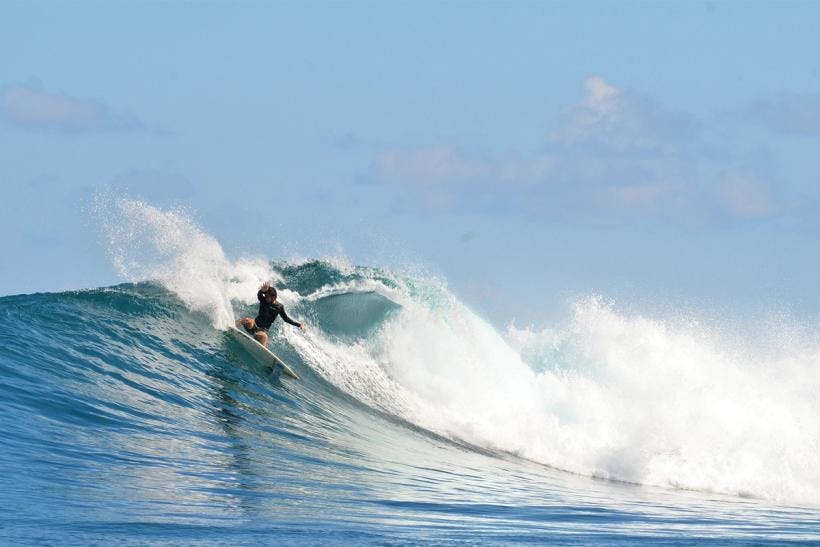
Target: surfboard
{"type": "Point", "coordinates": [261, 353]}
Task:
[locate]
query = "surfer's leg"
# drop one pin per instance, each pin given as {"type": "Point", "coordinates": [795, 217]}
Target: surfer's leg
{"type": "Point", "coordinates": [261, 337]}
{"type": "Point", "coordinates": [248, 323]}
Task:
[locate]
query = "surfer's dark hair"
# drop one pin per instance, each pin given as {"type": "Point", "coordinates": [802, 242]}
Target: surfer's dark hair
{"type": "Point", "coordinates": [271, 292]}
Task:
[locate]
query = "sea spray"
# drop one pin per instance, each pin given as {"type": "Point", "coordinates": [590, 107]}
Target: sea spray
{"type": "Point", "coordinates": [167, 246]}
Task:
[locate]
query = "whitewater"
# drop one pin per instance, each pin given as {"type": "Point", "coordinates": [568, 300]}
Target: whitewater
{"type": "Point", "coordinates": [131, 416]}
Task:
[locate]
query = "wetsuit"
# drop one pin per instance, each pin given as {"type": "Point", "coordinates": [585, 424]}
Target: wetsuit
{"type": "Point", "coordinates": [268, 314]}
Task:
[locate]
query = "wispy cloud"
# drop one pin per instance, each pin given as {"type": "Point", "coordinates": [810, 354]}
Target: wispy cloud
{"type": "Point", "coordinates": [29, 105]}
{"type": "Point", "coordinates": [621, 153]}
{"type": "Point", "coordinates": [431, 165]}
{"type": "Point", "coordinates": [600, 112]}
{"type": "Point", "coordinates": [745, 195]}
{"type": "Point", "coordinates": [787, 113]}
{"type": "Point", "coordinates": [614, 155]}
{"type": "Point", "coordinates": [620, 119]}
{"type": "Point", "coordinates": [613, 152]}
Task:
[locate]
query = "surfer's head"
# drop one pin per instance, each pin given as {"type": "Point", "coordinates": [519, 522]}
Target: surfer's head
{"type": "Point", "coordinates": [271, 293]}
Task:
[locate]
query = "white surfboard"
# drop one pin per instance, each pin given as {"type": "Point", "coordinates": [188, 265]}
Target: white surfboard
{"type": "Point", "coordinates": [260, 352]}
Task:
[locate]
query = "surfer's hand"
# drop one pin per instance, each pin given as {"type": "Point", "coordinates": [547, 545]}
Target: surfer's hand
{"type": "Point", "coordinates": [265, 286]}
{"type": "Point", "coordinates": [302, 326]}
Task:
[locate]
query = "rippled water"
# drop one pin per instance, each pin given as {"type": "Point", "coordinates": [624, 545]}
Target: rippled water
{"type": "Point", "coordinates": [129, 418]}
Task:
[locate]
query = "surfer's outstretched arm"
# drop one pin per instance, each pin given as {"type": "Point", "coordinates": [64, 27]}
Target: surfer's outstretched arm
{"type": "Point", "coordinates": [287, 319]}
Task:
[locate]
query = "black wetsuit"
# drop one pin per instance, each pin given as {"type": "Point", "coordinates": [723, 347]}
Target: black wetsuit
{"type": "Point", "coordinates": [268, 314]}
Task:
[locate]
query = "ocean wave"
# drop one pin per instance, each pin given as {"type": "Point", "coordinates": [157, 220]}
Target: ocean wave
{"type": "Point", "coordinates": [607, 394]}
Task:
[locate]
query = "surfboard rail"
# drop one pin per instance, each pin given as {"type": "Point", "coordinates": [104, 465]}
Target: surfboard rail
{"type": "Point", "coordinates": [260, 352]}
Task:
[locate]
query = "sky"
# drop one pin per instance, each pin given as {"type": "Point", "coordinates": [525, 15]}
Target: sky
{"type": "Point", "coordinates": [659, 154]}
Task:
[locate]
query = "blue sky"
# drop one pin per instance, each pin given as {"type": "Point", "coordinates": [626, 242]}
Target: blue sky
{"type": "Point", "coordinates": [663, 153]}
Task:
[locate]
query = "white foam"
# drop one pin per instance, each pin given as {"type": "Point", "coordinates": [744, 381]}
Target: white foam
{"type": "Point", "coordinates": [614, 396]}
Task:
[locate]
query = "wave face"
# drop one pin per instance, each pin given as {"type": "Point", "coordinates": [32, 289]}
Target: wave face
{"type": "Point", "coordinates": [130, 415]}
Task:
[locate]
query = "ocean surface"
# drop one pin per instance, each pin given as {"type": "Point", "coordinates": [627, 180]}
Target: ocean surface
{"type": "Point", "coordinates": [131, 417]}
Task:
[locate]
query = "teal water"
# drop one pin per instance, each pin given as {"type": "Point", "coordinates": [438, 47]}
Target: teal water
{"type": "Point", "coordinates": [129, 418]}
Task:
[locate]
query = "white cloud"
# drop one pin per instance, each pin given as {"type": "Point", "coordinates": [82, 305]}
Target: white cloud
{"type": "Point", "coordinates": [608, 116]}
{"type": "Point", "coordinates": [30, 106]}
{"type": "Point", "coordinates": [616, 152]}
{"type": "Point", "coordinates": [600, 107]}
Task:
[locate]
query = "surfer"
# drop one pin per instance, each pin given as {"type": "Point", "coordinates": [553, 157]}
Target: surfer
{"type": "Point", "coordinates": [269, 310]}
